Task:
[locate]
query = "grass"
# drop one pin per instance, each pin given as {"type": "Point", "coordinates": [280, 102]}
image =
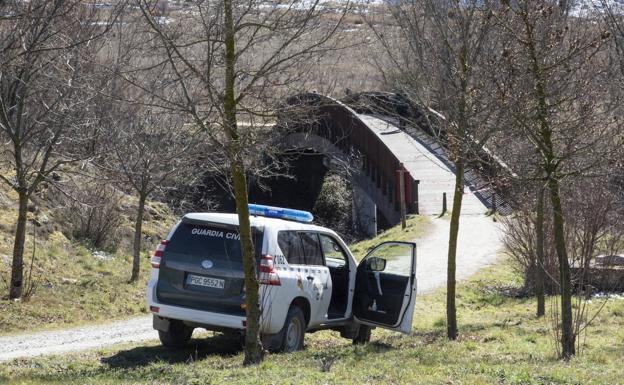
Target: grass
{"type": "Point", "coordinates": [416, 228]}
{"type": "Point", "coordinates": [500, 342]}
{"type": "Point", "coordinates": [71, 285]}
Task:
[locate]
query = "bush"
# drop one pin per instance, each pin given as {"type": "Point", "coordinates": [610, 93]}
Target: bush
{"type": "Point", "coordinates": [92, 215]}
{"type": "Point", "coordinates": [593, 228]}
{"type": "Point", "coordinates": [520, 242]}
{"type": "Point", "coordinates": [334, 205]}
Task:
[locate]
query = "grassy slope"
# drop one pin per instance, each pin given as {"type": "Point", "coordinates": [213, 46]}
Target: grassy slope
{"type": "Point", "coordinates": [74, 287]}
{"type": "Point", "coordinates": [501, 342]}
{"type": "Point", "coordinates": [416, 227]}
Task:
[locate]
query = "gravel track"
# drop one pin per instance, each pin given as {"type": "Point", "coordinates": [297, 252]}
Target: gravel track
{"type": "Point", "coordinates": [75, 339]}
{"type": "Point", "coordinates": [478, 244]}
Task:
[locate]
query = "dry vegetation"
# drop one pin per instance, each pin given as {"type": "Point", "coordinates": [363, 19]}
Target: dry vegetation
{"type": "Point", "coordinates": [71, 281]}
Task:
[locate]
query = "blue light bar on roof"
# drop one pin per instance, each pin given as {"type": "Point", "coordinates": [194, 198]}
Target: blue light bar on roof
{"type": "Point", "coordinates": [281, 213]}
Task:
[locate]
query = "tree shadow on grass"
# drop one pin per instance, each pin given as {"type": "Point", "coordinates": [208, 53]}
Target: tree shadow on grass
{"type": "Point", "coordinates": [374, 347]}
{"type": "Point", "coordinates": [380, 347]}
{"type": "Point", "coordinates": [196, 350]}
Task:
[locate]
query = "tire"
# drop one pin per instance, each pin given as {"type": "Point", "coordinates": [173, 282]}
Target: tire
{"type": "Point", "coordinates": [235, 337]}
{"type": "Point", "coordinates": [363, 335]}
{"type": "Point", "coordinates": [293, 331]}
{"type": "Point", "coordinates": [178, 335]}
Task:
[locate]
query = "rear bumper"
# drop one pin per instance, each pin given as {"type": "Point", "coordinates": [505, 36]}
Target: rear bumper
{"type": "Point", "coordinates": [200, 317]}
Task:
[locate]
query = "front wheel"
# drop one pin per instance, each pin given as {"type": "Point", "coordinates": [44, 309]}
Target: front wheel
{"type": "Point", "coordinates": [293, 330]}
{"type": "Point", "coordinates": [177, 336]}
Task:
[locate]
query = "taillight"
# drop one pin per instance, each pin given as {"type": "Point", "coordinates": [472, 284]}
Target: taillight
{"type": "Point", "coordinates": [268, 275]}
{"type": "Point", "coordinates": [266, 264]}
{"type": "Point", "coordinates": [157, 257]}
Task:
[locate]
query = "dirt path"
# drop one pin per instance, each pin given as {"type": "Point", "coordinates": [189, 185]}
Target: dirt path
{"type": "Point", "coordinates": [478, 244]}
{"type": "Point", "coordinates": [80, 338]}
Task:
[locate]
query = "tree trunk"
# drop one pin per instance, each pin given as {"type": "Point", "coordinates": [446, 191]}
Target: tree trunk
{"type": "Point", "coordinates": [549, 166]}
{"type": "Point", "coordinates": [567, 324]}
{"type": "Point", "coordinates": [451, 310]}
{"type": "Point", "coordinates": [539, 247]}
{"type": "Point", "coordinates": [136, 250]}
{"type": "Point", "coordinates": [253, 346]}
{"type": "Point", "coordinates": [17, 267]}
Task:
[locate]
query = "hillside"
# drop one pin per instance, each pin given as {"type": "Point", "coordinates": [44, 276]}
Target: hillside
{"type": "Point", "coordinates": [73, 282]}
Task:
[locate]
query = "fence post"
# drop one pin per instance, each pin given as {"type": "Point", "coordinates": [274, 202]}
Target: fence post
{"type": "Point", "coordinates": [415, 201]}
{"type": "Point", "coordinates": [402, 195]}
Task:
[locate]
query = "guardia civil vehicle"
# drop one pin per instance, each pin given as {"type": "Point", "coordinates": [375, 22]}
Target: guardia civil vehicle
{"type": "Point", "coordinates": [309, 280]}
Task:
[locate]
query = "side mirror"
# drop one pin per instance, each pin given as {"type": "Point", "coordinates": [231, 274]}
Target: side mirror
{"type": "Point", "coordinates": [375, 264]}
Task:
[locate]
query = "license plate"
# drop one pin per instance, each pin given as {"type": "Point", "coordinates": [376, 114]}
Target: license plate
{"type": "Point", "coordinates": [198, 280]}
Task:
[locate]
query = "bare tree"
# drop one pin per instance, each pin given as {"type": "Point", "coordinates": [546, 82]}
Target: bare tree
{"type": "Point", "coordinates": [147, 151]}
{"type": "Point", "coordinates": [438, 56]}
{"type": "Point", "coordinates": [528, 240]}
{"type": "Point", "coordinates": [540, 272]}
{"type": "Point", "coordinates": [527, 232]}
{"type": "Point", "coordinates": [553, 89]}
{"type": "Point", "coordinates": [44, 98]}
{"type": "Point", "coordinates": [613, 15]}
{"type": "Point", "coordinates": [226, 66]}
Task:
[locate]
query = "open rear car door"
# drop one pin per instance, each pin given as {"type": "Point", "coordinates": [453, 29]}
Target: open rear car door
{"type": "Point", "coordinates": [385, 287]}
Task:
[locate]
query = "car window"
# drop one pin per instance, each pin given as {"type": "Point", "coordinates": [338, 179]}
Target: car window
{"type": "Point", "coordinates": [335, 256]}
{"type": "Point", "coordinates": [203, 240]}
{"type": "Point", "coordinates": [290, 243]}
{"type": "Point", "coordinates": [312, 248]}
{"type": "Point", "coordinates": [396, 256]}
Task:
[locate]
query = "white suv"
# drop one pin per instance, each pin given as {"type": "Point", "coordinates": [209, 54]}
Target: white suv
{"type": "Point", "coordinates": [309, 281]}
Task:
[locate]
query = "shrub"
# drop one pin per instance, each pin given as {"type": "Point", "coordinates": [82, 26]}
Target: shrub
{"type": "Point", "coordinates": [92, 215]}
{"type": "Point", "coordinates": [334, 204]}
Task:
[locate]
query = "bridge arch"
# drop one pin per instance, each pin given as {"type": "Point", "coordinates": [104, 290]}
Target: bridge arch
{"type": "Point", "coordinates": [365, 208]}
{"type": "Point", "coordinates": [335, 130]}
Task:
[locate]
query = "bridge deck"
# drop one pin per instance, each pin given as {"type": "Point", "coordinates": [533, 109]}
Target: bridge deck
{"type": "Point", "coordinates": [426, 163]}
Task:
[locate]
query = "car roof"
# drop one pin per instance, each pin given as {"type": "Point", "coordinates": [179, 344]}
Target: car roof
{"type": "Point", "coordinates": [256, 221]}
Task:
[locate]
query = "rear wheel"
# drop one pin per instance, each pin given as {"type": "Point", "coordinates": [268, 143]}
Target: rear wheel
{"type": "Point", "coordinates": [363, 335]}
{"type": "Point", "coordinates": [293, 331]}
{"type": "Point", "coordinates": [177, 336]}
